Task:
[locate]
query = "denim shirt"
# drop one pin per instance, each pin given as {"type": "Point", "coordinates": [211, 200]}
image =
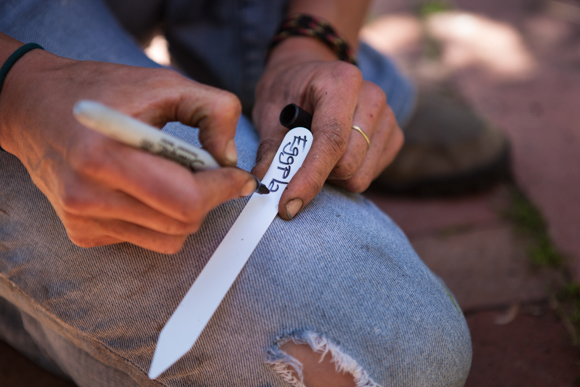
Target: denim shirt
{"type": "Point", "coordinates": [222, 43]}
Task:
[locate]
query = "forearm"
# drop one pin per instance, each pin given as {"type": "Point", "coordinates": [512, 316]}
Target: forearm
{"type": "Point", "coordinates": [24, 74]}
{"type": "Point", "coordinates": [346, 16]}
{"type": "Point", "coordinates": [7, 47]}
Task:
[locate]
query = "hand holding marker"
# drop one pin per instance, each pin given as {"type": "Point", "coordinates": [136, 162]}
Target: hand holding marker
{"type": "Point", "coordinates": [135, 133]}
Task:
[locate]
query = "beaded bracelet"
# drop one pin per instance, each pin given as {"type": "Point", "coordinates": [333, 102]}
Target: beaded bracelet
{"type": "Point", "coordinates": [13, 59]}
{"type": "Point", "coordinates": [318, 28]}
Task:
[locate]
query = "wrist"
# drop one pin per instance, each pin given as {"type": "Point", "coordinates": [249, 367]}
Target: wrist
{"type": "Point", "coordinates": [18, 87]}
{"type": "Point", "coordinates": [320, 36]}
{"type": "Point", "coordinates": [346, 16]}
{"type": "Point", "coordinates": [300, 49]}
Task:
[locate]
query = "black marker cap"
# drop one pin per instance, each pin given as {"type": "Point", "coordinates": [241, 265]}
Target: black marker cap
{"type": "Point", "coordinates": [293, 116]}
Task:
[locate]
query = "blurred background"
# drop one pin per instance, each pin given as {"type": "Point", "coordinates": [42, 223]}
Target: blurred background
{"type": "Point", "coordinates": [510, 254]}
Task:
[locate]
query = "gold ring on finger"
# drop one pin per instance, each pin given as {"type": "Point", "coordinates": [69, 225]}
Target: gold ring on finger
{"type": "Point", "coordinates": [358, 129]}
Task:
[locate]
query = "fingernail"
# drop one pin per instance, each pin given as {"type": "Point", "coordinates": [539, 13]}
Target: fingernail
{"type": "Point", "coordinates": [292, 207]}
{"type": "Point", "coordinates": [250, 187]}
{"type": "Point", "coordinates": [231, 153]}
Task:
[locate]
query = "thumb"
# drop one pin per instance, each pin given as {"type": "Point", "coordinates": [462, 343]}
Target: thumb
{"type": "Point", "coordinates": [266, 152]}
{"type": "Point", "coordinates": [271, 136]}
{"type": "Point", "coordinates": [221, 185]}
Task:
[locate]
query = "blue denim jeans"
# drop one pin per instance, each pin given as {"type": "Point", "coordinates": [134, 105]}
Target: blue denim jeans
{"type": "Point", "coordinates": [341, 276]}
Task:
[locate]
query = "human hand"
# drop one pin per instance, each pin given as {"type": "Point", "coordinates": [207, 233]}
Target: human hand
{"type": "Point", "coordinates": [103, 191]}
{"type": "Point", "coordinates": [305, 72]}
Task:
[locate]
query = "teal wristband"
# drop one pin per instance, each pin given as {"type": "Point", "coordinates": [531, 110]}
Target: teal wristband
{"type": "Point", "coordinates": [13, 59]}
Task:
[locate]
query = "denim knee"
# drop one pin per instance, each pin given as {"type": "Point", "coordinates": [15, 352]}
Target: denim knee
{"type": "Point", "coordinates": [390, 345]}
{"type": "Point", "coordinates": [350, 283]}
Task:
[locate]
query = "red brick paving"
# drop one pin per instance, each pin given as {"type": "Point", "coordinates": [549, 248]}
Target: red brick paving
{"type": "Point", "coordinates": [467, 242]}
{"type": "Point", "coordinates": [531, 351]}
{"type": "Point", "coordinates": [482, 267]}
{"type": "Point", "coordinates": [423, 216]}
{"type": "Point", "coordinates": [543, 122]}
{"type": "Point", "coordinates": [18, 371]}
{"type": "Point", "coordinates": [464, 241]}
{"type": "Point", "coordinates": [537, 107]}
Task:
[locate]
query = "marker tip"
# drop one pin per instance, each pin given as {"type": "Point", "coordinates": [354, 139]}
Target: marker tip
{"type": "Point", "coordinates": [262, 189]}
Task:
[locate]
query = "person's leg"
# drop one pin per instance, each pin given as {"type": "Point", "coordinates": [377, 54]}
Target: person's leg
{"type": "Point", "coordinates": [340, 273]}
{"type": "Point", "coordinates": [13, 332]}
{"type": "Point", "coordinates": [379, 69]}
{"type": "Point", "coordinates": [448, 149]}
{"type": "Point", "coordinates": [340, 277]}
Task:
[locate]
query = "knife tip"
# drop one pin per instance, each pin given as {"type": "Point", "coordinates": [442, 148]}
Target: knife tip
{"type": "Point", "coordinates": [160, 363]}
{"type": "Point", "coordinates": [154, 373]}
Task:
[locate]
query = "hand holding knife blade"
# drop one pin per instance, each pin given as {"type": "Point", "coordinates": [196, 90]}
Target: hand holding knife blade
{"type": "Point", "coordinates": [208, 290]}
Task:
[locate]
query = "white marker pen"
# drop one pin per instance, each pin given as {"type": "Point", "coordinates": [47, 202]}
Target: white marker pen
{"type": "Point", "coordinates": [135, 133]}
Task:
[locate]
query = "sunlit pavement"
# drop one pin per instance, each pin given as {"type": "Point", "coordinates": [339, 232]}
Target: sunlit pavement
{"type": "Point", "coordinates": [517, 63]}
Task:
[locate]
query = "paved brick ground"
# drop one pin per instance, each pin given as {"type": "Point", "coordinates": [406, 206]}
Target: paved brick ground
{"type": "Point", "coordinates": [18, 371]}
{"type": "Point", "coordinates": [517, 339]}
{"type": "Point", "coordinates": [538, 351]}
{"type": "Point", "coordinates": [518, 63]}
{"type": "Point", "coordinates": [468, 243]}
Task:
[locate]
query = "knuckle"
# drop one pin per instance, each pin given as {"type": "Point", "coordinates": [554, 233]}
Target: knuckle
{"type": "Point", "coordinates": [82, 241]}
{"type": "Point", "coordinates": [192, 227]}
{"type": "Point", "coordinates": [232, 103]}
{"type": "Point", "coordinates": [72, 199]}
{"type": "Point", "coordinates": [357, 185]}
{"type": "Point", "coordinates": [391, 117]}
{"type": "Point", "coordinates": [177, 228]}
{"type": "Point", "coordinates": [348, 73]}
{"type": "Point", "coordinates": [398, 138]}
{"type": "Point", "coordinates": [191, 214]}
{"type": "Point", "coordinates": [89, 161]}
{"type": "Point", "coordinates": [226, 105]}
{"type": "Point", "coordinates": [265, 148]}
{"type": "Point", "coordinates": [314, 181]}
{"type": "Point", "coordinates": [335, 138]}
{"type": "Point", "coordinates": [346, 168]}
{"type": "Point", "coordinates": [376, 94]}
{"type": "Point", "coordinates": [173, 245]}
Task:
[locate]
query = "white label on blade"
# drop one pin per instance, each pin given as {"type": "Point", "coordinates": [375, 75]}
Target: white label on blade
{"type": "Point", "coordinates": [207, 292]}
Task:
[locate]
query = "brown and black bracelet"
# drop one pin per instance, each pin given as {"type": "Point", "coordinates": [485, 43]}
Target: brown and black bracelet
{"type": "Point", "coordinates": [315, 27]}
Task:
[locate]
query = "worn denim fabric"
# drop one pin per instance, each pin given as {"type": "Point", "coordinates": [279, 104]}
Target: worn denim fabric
{"type": "Point", "coordinates": [341, 271]}
{"type": "Point", "coordinates": [224, 43]}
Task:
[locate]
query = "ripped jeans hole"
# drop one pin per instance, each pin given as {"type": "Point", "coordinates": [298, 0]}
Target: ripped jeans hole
{"type": "Point", "coordinates": [284, 364]}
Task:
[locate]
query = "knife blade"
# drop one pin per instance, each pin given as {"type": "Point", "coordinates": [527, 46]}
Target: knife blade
{"type": "Point", "coordinates": [205, 295]}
